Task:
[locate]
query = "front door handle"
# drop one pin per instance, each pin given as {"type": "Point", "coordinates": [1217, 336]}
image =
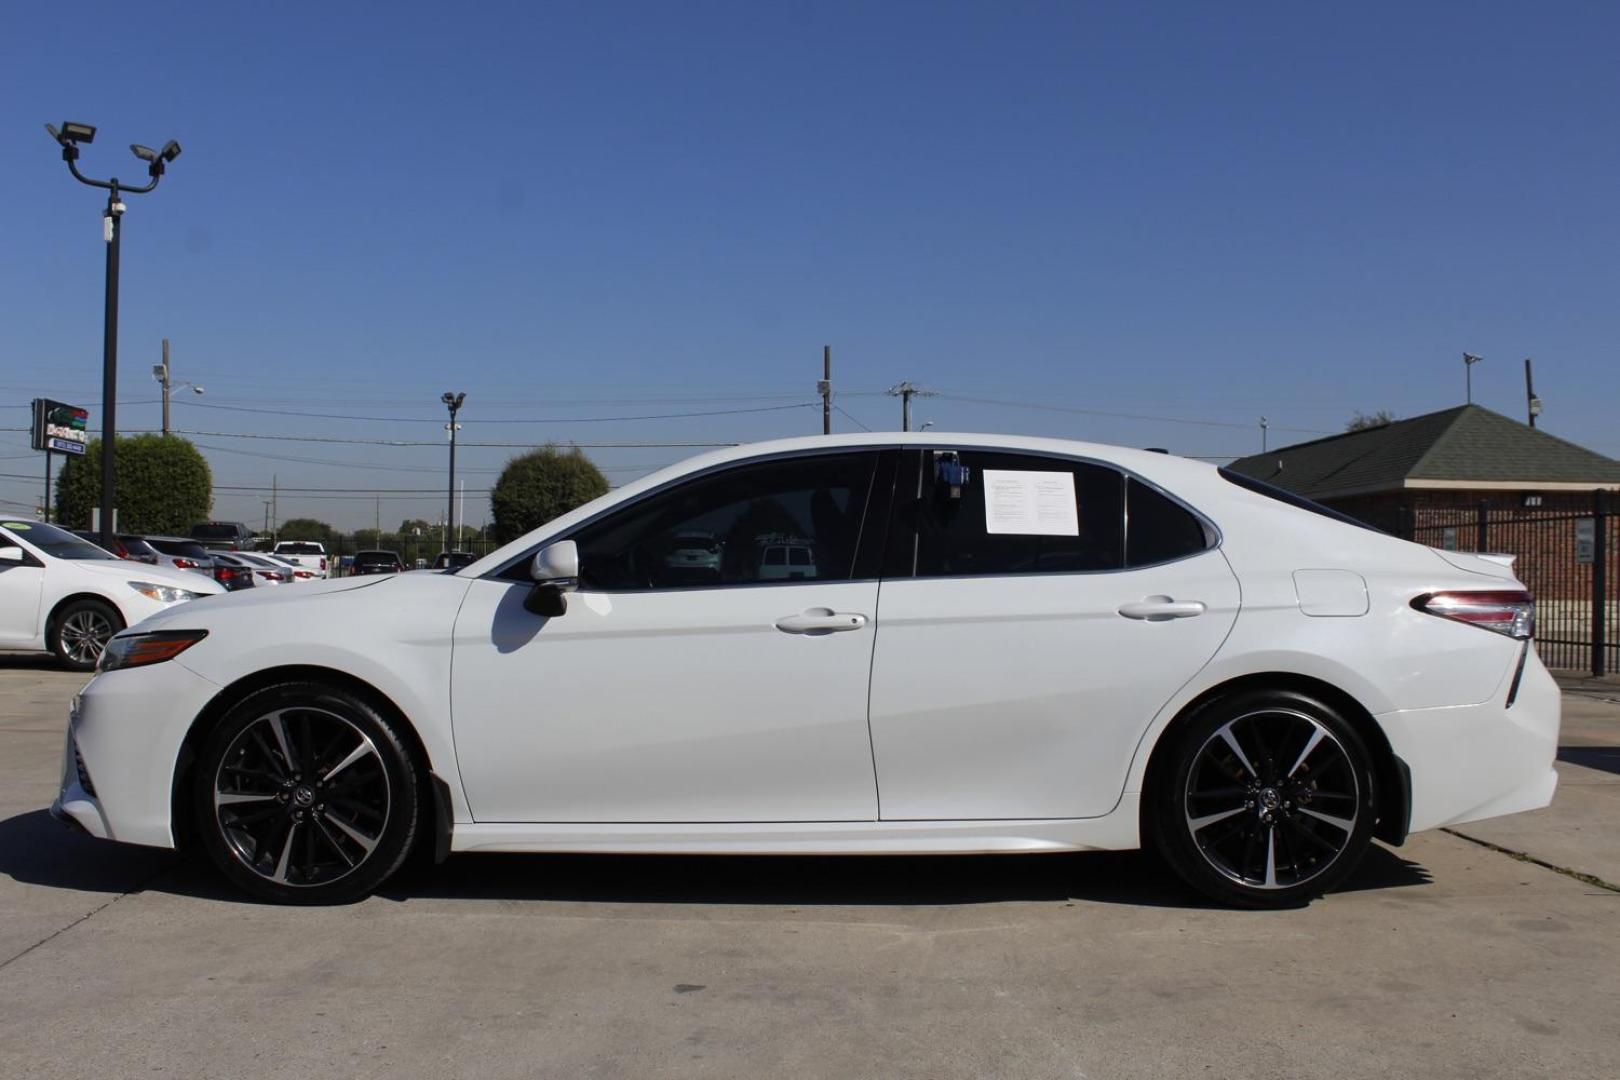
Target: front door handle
{"type": "Point", "coordinates": [1160, 608]}
{"type": "Point", "coordinates": [817, 621]}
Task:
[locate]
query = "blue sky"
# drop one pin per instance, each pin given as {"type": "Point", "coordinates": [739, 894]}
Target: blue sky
{"type": "Point", "coordinates": [1199, 212]}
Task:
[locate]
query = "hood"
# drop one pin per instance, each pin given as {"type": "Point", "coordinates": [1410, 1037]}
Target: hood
{"type": "Point", "coordinates": [264, 597]}
{"type": "Point", "coordinates": [126, 570]}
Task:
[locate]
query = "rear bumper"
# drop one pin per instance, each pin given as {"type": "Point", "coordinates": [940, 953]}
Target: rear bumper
{"type": "Point", "coordinates": [1470, 762]}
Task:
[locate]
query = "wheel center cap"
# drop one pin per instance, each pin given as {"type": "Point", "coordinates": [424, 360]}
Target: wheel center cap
{"type": "Point", "coordinates": [304, 796]}
{"type": "Point", "coordinates": [1269, 799]}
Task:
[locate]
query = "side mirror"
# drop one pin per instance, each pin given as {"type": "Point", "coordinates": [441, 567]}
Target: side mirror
{"type": "Point", "coordinates": [555, 571]}
{"type": "Point", "coordinates": [557, 564]}
{"type": "Point", "coordinates": [11, 553]}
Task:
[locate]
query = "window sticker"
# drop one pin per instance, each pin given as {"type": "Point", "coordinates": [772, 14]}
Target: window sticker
{"type": "Point", "coordinates": [1030, 503]}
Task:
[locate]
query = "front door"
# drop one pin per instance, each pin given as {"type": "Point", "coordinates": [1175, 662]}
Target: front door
{"type": "Point", "coordinates": [20, 586]}
{"type": "Point", "coordinates": [1028, 641]}
{"type": "Point", "coordinates": [690, 680]}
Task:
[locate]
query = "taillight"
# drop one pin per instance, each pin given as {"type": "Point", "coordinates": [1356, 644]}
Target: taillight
{"type": "Point", "coordinates": [185, 564]}
{"type": "Point", "coordinates": [1507, 611]}
{"type": "Point", "coordinates": [224, 574]}
{"type": "Point", "coordinates": [323, 564]}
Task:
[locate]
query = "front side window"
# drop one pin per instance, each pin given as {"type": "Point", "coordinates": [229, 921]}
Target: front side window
{"type": "Point", "coordinates": [787, 520]}
{"type": "Point", "coordinates": [984, 512]}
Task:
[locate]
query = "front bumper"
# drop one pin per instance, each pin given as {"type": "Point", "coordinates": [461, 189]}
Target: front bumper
{"type": "Point", "coordinates": [127, 728]}
{"type": "Point", "coordinates": [1470, 762]}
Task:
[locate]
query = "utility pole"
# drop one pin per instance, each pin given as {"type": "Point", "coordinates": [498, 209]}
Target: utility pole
{"type": "Point", "coordinates": [1469, 360]}
{"type": "Point", "coordinates": [164, 379]}
{"type": "Point", "coordinates": [376, 524]}
{"type": "Point", "coordinates": [1532, 404]}
{"type": "Point", "coordinates": [824, 388]}
{"type": "Point", "coordinates": [1264, 427]}
{"type": "Point", "coordinates": [275, 506]}
{"type": "Point", "coordinates": [266, 516]}
{"type": "Point", "coordinates": [905, 392]}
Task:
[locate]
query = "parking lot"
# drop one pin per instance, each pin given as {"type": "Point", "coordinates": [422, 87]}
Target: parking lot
{"type": "Point", "coordinates": [1488, 951]}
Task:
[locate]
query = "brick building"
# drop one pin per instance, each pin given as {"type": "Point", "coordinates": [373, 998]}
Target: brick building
{"type": "Point", "coordinates": [1412, 475]}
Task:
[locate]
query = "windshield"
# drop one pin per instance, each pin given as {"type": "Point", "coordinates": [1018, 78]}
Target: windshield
{"type": "Point", "coordinates": [53, 541]}
{"type": "Point", "coordinates": [376, 557]}
{"type": "Point", "coordinates": [216, 530]}
{"type": "Point", "coordinates": [293, 547]}
{"type": "Point", "coordinates": [185, 549]}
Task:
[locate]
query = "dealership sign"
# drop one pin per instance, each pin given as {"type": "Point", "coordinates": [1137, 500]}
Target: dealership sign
{"type": "Point", "coordinates": [59, 428]}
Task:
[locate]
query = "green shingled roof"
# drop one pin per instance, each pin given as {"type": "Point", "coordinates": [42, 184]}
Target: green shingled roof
{"type": "Point", "coordinates": [1467, 443]}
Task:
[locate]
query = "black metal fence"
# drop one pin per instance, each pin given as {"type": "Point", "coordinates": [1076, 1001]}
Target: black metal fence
{"type": "Point", "coordinates": [1569, 558]}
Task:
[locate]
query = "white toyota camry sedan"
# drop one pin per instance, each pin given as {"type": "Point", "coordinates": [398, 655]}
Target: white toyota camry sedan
{"type": "Point", "coordinates": [998, 644]}
{"type": "Point", "coordinates": [62, 594]}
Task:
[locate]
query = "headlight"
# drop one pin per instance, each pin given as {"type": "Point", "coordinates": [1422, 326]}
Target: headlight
{"type": "Point", "coordinates": [163, 594]}
{"type": "Point", "coordinates": [138, 650]}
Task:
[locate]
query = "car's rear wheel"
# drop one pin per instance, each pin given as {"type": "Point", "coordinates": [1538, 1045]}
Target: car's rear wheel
{"type": "Point", "coordinates": [1266, 799]}
{"type": "Point", "coordinates": [306, 794]}
{"type": "Point", "coordinates": [81, 631]}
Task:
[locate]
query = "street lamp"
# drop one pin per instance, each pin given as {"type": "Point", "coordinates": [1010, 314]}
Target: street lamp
{"type": "Point", "coordinates": [69, 137]}
{"type": "Point", "coordinates": [453, 402]}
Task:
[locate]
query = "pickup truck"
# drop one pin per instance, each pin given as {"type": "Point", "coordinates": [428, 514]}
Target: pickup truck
{"type": "Point", "coordinates": [306, 554]}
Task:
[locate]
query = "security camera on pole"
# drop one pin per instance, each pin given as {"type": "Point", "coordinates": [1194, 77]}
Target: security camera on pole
{"type": "Point", "coordinates": [453, 402]}
{"type": "Point", "coordinates": [69, 137]}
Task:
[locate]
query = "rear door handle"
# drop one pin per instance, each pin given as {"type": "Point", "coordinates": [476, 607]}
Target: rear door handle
{"type": "Point", "coordinates": [1161, 608]}
{"type": "Point", "coordinates": [817, 621]}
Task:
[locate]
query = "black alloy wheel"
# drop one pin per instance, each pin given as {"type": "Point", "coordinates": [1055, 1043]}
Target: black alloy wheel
{"type": "Point", "coordinates": [306, 794]}
{"type": "Point", "coordinates": [1268, 800]}
{"type": "Point", "coordinates": [80, 632]}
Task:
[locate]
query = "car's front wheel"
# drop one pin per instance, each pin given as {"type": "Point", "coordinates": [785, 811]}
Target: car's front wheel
{"type": "Point", "coordinates": [306, 794]}
{"type": "Point", "coordinates": [1265, 800]}
{"type": "Point", "coordinates": [81, 631]}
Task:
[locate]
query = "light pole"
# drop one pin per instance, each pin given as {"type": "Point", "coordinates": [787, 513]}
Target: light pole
{"type": "Point", "coordinates": [453, 402]}
{"type": "Point", "coordinates": [68, 137]}
{"type": "Point", "coordinates": [1469, 360]}
{"type": "Point", "coordinates": [160, 372]}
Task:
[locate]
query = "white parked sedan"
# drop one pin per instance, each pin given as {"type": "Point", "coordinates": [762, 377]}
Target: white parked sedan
{"type": "Point", "coordinates": [1004, 645]}
{"type": "Point", "coordinates": [68, 596]}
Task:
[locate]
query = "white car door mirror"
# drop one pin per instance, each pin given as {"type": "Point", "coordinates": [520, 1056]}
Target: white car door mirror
{"type": "Point", "coordinates": [557, 564]}
{"type": "Point", "coordinates": [11, 553]}
{"type": "Point", "coordinates": [555, 571]}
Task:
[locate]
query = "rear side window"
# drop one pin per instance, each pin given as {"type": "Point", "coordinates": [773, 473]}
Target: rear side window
{"type": "Point", "coordinates": [1016, 514]}
{"type": "Point", "coordinates": [1157, 529]}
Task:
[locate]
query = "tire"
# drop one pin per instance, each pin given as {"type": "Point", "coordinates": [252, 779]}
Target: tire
{"type": "Point", "coordinates": [81, 630]}
{"type": "Point", "coordinates": [1265, 800]}
{"type": "Point", "coordinates": [306, 793]}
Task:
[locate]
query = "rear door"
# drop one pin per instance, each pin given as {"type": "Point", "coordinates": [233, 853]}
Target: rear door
{"type": "Point", "coordinates": [1031, 629]}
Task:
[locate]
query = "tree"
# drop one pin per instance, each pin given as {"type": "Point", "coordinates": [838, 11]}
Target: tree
{"type": "Point", "coordinates": [1367, 421]}
{"type": "Point", "coordinates": [540, 485]}
{"type": "Point", "coordinates": [304, 529]}
{"type": "Point", "coordinates": [417, 526]}
{"type": "Point", "coordinates": [162, 484]}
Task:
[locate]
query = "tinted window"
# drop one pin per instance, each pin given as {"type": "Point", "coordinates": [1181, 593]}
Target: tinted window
{"type": "Point", "coordinates": [1071, 516]}
{"type": "Point", "coordinates": [1157, 529]}
{"type": "Point", "coordinates": [185, 549]}
{"type": "Point", "coordinates": [376, 558]}
{"type": "Point", "coordinates": [54, 541]}
{"type": "Point", "coordinates": [748, 518]}
{"type": "Point", "coordinates": [293, 547]}
{"type": "Point", "coordinates": [218, 530]}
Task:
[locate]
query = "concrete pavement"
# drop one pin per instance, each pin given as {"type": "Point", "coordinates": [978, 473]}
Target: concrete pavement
{"type": "Point", "coordinates": [1442, 959]}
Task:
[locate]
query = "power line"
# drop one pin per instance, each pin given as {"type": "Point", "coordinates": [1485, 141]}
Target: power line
{"type": "Point", "coordinates": [527, 420]}
{"type": "Point", "coordinates": [1120, 415]}
{"type": "Point", "coordinates": [436, 443]}
{"type": "Point", "coordinates": [845, 413]}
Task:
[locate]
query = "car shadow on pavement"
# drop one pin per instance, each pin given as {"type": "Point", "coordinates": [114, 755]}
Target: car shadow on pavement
{"type": "Point", "coordinates": [38, 661]}
{"type": "Point", "coordinates": [36, 850]}
{"type": "Point", "coordinates": [1603, 758]}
